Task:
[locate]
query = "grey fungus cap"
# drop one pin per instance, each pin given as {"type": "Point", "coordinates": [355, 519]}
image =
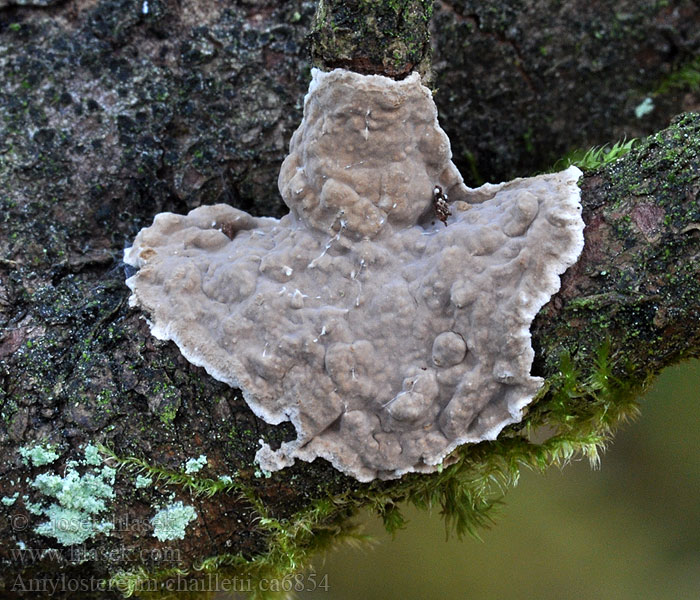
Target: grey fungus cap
{"type": "Point", "coordinates": [387, 331]}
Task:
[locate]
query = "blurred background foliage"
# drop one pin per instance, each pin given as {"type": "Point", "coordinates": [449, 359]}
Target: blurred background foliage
{"type": "Point", "coordinates": [628, 531]}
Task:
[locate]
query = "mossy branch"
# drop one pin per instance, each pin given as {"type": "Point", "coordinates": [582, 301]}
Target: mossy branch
{"type": "Point", "coordinates": [77, 364]}
{"type": "Point", "coordinates": [588, 351]}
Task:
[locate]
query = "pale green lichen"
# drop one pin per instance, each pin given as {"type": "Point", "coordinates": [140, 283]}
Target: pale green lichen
{"type": "Point", "coordinates": [71, 527]}
{"type": "Point", "coordinates": [193, 465]}
{"type": "Point", "coordinates": [39, 455]}
{"type": "Point", "coordinates": [92, 455]}
{"type": "Point", "coordinates": [79, 499]}
{"type": "Point", "coordinates": [34, 508]}
{"type": "Point", "coordinates": [170, 522]}
{"type": "Point", "coordinates": [141, 481]}
{"type": "Point", "coordinates": [262, 473]}
{"type": "Point", "coordinates": [644, 108]}
{"type": "Point", "coordinates": [10, 500]}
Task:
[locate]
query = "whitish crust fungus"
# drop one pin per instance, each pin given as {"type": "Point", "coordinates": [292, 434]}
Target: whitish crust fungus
{"type": "Point", "coordinates": [387, 325]}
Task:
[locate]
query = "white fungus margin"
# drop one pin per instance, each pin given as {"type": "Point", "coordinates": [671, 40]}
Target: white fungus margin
{"type": "Point", "coordinates": [385, 335]}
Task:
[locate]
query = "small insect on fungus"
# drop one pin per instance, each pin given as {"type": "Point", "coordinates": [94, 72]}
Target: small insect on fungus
{"type": "Point", "coordinates": [442, 209]}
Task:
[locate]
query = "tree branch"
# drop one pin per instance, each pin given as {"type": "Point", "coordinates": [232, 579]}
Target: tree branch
{"type": "Point", "coordinates": [385, 38]}
{"type": "Point", "coordinates": [97, 141]}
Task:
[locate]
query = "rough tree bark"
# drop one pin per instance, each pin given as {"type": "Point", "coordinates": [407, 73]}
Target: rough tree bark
{"type": "Point", "coordinates": [113, 111]}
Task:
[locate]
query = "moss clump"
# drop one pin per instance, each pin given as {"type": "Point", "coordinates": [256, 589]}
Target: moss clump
{"type": "Point", "coordinates": [187, 480]}
{"type": "Point", "coordinates": [594, 158]}
{"type": "Point", "coordinates": [686, 77]}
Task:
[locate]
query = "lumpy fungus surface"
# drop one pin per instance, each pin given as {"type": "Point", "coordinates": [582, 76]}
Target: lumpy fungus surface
{"type": "Point", "coordinates": [384, 336]}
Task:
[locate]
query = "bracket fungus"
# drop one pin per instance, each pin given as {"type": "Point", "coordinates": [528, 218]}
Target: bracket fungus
{"type": "Point", "coordinates": [388, 327]}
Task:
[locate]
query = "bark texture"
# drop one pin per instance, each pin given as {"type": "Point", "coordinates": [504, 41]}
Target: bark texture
{"type": "Point", "coordinates": [113, 111]}
{"type": "Point", "coordinates": [564, 75]}
{"type": "Point", "coordinates": [376, 37]}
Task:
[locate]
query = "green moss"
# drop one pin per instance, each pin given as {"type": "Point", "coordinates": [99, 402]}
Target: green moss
{"type": "Point", "coordinates": [140, 581]}
{"type": "Point", "coordinates": [158, 474]}
{"type": "Point", "coordinates": [167, 415]}
{"type": "Point", "coordinates": [642, 275]}
{"type": "Point", "coordinates": [581, 411]}
{"type": "Point", "coordinates": [686, 77]}
{"type": "Point", "coordinates": [292, 545]}
{"type": "Point", "coordinates": [104, 397]}
{"type": "Point", "coordinates": [594, 158]}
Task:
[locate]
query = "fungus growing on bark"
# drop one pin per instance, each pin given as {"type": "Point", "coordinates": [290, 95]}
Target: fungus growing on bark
{"type": "Point", "coordinates": [387, 332]}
